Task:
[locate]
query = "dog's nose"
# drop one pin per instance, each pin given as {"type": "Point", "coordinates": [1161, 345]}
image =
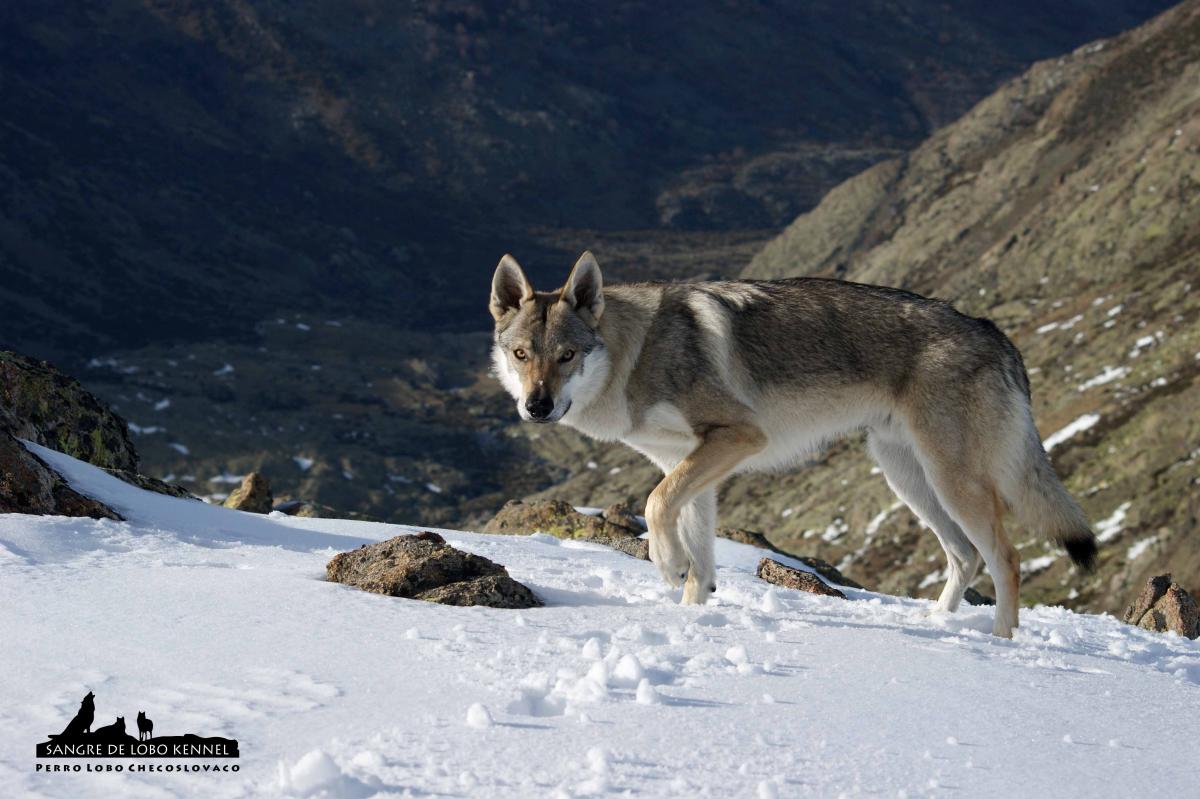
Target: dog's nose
{"type": "Point", "coordinates": [539, 406]}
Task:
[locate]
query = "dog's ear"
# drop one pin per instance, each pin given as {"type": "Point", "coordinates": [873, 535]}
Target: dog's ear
{"type": "Point", "coordinates": [510, 288]}
{"type": "Point", "coordinates": [585, 288]}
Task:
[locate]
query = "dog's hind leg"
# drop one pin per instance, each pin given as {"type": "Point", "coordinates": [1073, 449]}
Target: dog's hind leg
{"type": "Point", "coordinates": [971, 498]}
{"type": "Point", "coordinates": [698, 532]}
{"type": "Point", "coordinates": [906, 478]}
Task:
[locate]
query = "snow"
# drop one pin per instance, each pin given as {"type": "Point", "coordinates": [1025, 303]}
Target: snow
{"type": "Point", "coordinates": [1038, 564]}
{"type": "Point", "coordinates": [219, 623]}
{"type": "Point", "coordinates": [180, 448]}
{"type": "Point", "coordinates": [1109, 374]}
{"type": "Point", "coordinates": [878, 519]}
{"type": "Point", "coordinates": [1085, 422]}
{"type": "Point", "coordinates": [1139, 547]}
{"type": "Point", "coordinates": [1110, 527]}
{"type": "Point", "coordinates": [303, 463]}
{"type": "Point", "coordinates": [148, 430]}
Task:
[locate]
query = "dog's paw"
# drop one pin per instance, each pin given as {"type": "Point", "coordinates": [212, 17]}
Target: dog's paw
{"type": "Point", "coordinates": [696, 591]}
{"type": "Point", "coordinates": [669, 557]}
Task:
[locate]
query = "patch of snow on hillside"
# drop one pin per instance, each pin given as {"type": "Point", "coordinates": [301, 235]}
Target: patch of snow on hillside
{"type": "Point", "coordinates": [1085, 422]}
{"type": "Point", "coordinates": [1038, 564]}
{"type": "Point", "coordinates": [1139, 547]}
{"type": "Point", "coordinates": [1110, 527]}
{"type": "Point", "coordinates": [878, 519]}
{"type": "Point", "coordinates": [1109, 374]}
{"type": "Point", "coordinates": [218, 622]}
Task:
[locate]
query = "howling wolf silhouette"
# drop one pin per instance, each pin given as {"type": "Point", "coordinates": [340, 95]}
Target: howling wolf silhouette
{"type": "Point", "coordinates": [83, 719]}
{"type": "Point", "coordinates": [145, 726]}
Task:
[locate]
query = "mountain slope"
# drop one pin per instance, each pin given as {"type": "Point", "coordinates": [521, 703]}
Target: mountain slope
{"type": "Point", "coordinates": [1066, 207]}
{"type": "Point", "coordinates": [178, 170]}
{"type": "Point", "coordinates": [217, 622]}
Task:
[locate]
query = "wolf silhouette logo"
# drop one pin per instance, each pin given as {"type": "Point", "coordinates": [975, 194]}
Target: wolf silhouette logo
{"type": "Point", "coordinates": [113, 740]}
{"type": "Point", "coordinates": [83, 719]}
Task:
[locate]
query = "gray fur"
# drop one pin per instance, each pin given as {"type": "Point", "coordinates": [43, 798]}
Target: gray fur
{"type": "Point", "coordinates": [707, 379]}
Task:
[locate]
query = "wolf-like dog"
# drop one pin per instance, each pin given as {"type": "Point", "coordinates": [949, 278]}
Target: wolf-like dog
{"type": "Point", "coordinates": [711, 379]}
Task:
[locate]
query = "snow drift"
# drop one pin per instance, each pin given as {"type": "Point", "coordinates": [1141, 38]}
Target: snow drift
{"type": "Point", "coordinates": [220, 622]}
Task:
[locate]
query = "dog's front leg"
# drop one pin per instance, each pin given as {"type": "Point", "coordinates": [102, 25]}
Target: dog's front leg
{"type": "Point", "coordinates": [721, 449]}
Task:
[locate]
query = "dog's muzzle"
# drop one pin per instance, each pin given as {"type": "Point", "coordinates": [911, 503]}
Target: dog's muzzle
{"type": "Point", "coordinates": [539, 405]}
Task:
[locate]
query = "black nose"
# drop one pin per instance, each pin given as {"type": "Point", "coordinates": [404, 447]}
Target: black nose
{"type": "Point", "coordinates": [539, 405]}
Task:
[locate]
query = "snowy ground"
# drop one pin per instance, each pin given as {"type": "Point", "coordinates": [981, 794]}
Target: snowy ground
{"type": "Point", "coordinates": [219, 623]}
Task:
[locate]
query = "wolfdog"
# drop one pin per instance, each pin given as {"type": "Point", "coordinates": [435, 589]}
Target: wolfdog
{"type": "Point", "coordinates": [712, 379]}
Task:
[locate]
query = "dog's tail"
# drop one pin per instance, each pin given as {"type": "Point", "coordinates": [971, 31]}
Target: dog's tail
{"type": "Point", "coordinates": [1038, 498]}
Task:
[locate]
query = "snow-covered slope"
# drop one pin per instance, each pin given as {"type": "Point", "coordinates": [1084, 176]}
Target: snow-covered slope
{"type": "Point", "coordinates": [219, 622]}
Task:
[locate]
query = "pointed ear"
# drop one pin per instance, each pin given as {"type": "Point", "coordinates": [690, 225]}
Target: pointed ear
{"type": "Point", "coordinates": [510, 288]}
{"type": "Point", "coordinates": [585, 288]}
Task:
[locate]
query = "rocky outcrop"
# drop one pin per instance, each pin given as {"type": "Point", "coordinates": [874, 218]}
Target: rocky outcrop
{"type": "Point", "coordinates": [787, 577]}
{"type": "Point", "coordinates": [41, 404]}
{"type": "Point", "coordinates": [28, 485]}
{"type": "Point", "coordinates": [424, 566]}
{"type": "Point", "coordinates": [616, 527]}
{"type": "Point", "coordinates": [1163, 606]}
{"type": "Point", "coordinates": [253, 495]}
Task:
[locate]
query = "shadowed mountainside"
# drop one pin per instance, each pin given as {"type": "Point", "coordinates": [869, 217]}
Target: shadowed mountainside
{"type": "Point", "coordinates": [179, 170]}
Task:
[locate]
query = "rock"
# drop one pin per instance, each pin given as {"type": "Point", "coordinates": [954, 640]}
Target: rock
{"type": "Point", "coordinates": [617, 527]}
{"type": "Point", "coordinates": [41, 404]}
{"type": "Point", "coordinates": [756, 539]}
{"type": "Point", "coordinates": [154, 484]}
{"type": "Point", "coordinates": [315, 510]}
{"type": "Point", "coordinates": [827, 570]}
{"type": "Point", "coordinates": [253, 495]}
{"type": "Point", "coordinates": [636, 547]}
{"type": "Point", "coordinates": [621, 515]}
{"type": "Point", "coordinates": [751, 537]}
{"type": "Point", "coordinates": [1163, 606]}
{"type": "Point", "coordinates": [29, 485]}
{"type": "Point", "coordinates": [775, 572]}
{"type": "Point", "coordinates": [973, 597]}
{"type": "Point", "coordinates": [424, 566]}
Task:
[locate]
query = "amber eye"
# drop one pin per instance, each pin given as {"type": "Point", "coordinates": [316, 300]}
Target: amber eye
{"type": "Point", "coordinates": [519, 354]}
{"type": "Point", "coordinates": [566, 356]}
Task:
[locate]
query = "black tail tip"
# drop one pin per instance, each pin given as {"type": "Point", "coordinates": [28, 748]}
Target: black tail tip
{"type": "Point", "coordinates": [1083, 552]}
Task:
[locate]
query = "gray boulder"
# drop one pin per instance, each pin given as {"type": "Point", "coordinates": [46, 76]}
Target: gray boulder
{"type": "Point", "coordinates": [425, 567]}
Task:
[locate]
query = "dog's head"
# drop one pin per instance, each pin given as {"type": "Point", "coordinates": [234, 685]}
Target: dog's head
{"type": "Point", "coordinates": [548, 352]}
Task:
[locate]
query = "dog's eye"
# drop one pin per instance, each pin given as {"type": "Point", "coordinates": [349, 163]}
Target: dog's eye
{"type": "Point", "coordinates": [519, 354]}
{"type": "Point", "coordinates": [566, 356]}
